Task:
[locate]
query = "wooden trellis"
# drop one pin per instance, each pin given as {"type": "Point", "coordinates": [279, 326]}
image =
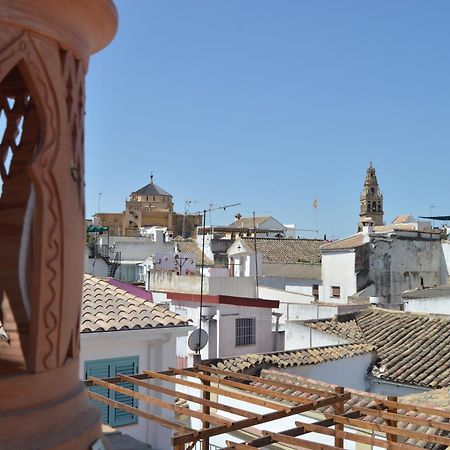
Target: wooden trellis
{"type": "Point", "coordinates": [241, 387]}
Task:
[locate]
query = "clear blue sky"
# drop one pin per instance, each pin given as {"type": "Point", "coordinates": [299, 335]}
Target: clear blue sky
{"type": "Point", "coordinates": [270, 103]}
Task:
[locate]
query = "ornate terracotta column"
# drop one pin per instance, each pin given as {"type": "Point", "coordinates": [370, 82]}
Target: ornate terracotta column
{"type": "Point", "coordinates": [44, 51]}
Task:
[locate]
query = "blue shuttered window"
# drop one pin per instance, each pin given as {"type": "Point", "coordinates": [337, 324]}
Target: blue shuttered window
{"type": "Point", "coordinates": [104, 368]}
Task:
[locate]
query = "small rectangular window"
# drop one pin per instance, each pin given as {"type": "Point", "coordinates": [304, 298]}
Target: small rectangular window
{"type": "Point", "coordinates": [245, 331]}
{"type": "Point", "coordinates": [335, 291]}
{"type": "Point", "coordinates": [315, 292]}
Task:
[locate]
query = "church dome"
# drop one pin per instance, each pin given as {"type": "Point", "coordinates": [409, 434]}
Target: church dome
{"type": "Point", "coordinates": [151, 189]}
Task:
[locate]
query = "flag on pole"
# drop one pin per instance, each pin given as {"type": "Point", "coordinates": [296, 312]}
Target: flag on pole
{"type": "Point", "coordinates": [315, 203]}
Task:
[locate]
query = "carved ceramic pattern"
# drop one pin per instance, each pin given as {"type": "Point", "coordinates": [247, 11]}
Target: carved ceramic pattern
{"type": "Point", "coordinates": [72, 71]}
{"type": "Point", "coordinates": [53, 210]}
{"type": "Point", "coordinates": [47, 213]}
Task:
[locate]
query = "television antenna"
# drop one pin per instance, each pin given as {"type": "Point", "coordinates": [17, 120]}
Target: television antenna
{"type": "Point", "coordinates": [224, 207]}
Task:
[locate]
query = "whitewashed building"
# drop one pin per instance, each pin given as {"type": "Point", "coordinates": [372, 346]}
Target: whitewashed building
{"type": "Point", "coordinates": [123, 332]}
{"type": "Point", "coordinates": [128, 253]}
{"type": "Point", "coordinates": [235, 325]}
{"type": "Point", "coordinates": [434, 300]}
{"type": "Point", "coordinates": [292, 265]}
{"type": "Point", "coordinates": [411, 348]}
{"type": "Point", "coordinates": [378, 266]}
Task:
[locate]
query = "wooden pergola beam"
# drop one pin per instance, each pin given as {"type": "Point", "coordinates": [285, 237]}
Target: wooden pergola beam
{"type": "Point", "coordinates": [144, 414]}
{"type": "Point", "coordinates": [161, 403]}
{"type": "Point", "coordinates": [245, 423]}
{"type": "Point", "coordinates": [389, 430]}
{"type": "Point", "coordinates": [116, 379]}
{"type": "Point", "coordinates": [239, 446]}
{"type": "Point", "coordinates": [300, 443]}
{"type": "Point", "coordinates": [267, 440]}
{"type": "Point", "coordinates": [242, 386]}
{"type": "Point", "coordinates": [402, 418]}
{"type": "Point", "coordinates": [415, 408]}
{"type": "Point", "coordinates": [313, 428]}
{"type": "Point", "coordinates": [294, 387]}
{"type": "Point", "coordinates": [191, 398]}
{"type": "Point", "coordinates": [212, 389]}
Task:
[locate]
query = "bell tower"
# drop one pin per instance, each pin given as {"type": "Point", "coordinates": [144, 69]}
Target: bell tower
{"type": "Point", "coordinates": [371, 200]}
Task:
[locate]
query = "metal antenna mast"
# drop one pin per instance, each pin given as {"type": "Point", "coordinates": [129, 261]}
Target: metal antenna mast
{"type": "Point", "coordinates": [256, 255]}
{"type": "Point", "coordinates": [203, 260]}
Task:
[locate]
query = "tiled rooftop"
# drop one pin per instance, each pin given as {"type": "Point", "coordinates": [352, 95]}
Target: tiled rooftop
{"type": "Point", "coordinates": [190, 246]}
{"type": "Point", "coordinates": [358, 399]}
{"type": "Point", "coordinates": [109, 308]}
{"type": "Point", "coordinates": [348, 243]}
{"type": "Point", "coordinates": [151, 189]}
{"type": "Point", "coordinates": [292, 358]}
{"type": "Point", "coordinates": [276, 250]}
{"type": "Point", "coordinates": [347, 330]}
{"type": "Point", "coordinates": [248, 222]}
{"type": "Point", "coordinates": [412, 348]}
{"type": "Point", "coordinates": [403, 218]}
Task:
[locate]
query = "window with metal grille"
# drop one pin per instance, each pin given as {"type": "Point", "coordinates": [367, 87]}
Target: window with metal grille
{"type": "Point", "coordinates": [106, 368]}
{"type": "Point", "coordinates": [245, 331]}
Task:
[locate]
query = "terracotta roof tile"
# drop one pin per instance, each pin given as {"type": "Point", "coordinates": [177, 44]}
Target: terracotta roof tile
{"type": "Point", "coordinates": [108, 308]}
{"type": "Point", "coordinates": [411, 348]}
{"type": "Point", "coordinates": [276, 250]}
{"type": "Point", "coordinates": [347, 243]}
{"type": "Point", "coordinates": [359, 399]}
{"type": "Point", "coordinates": [248, 222]}
{"type": "Point", "coordinates": [347, 330]}
{"type": "Point", "coordinates": [292, 358]}
{"type": "Point", "coordinates": [190, 246]}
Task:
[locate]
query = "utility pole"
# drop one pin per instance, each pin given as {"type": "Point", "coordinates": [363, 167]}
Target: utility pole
{"type": "Point", "coordinates": [256, 255]}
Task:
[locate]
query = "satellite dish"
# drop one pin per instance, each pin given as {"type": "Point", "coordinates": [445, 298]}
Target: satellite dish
{"type": "Point", "coordinates": [198, 339]}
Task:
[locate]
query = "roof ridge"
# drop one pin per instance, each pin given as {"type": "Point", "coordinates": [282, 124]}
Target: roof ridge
{"type": "Point", "coordinates": [431, 316]}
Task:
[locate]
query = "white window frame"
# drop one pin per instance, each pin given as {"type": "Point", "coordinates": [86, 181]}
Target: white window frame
{"type": "Point", "coordinates": [245, 331]}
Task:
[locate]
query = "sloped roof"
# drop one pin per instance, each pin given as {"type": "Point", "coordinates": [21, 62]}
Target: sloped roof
{"type": "Point", "coordinates": [276, 250]}
{"type": "Point", "coordinates": [404, 218]}
{"type": "Point", "coordinates": [358, 399]}
{"type": "Point", "coordinates": [189, 245]}
{"type": "Point", "coordinates": [151, 189]}
{"type": "Point", "coordinates": [108, 308]}
{"type": "Point", "coordinates": [347, 330]}
{"type": "Point", "coordinates": [412, 348]}
{"type": "Point", "coordinates": [247, 222]}
{"type": "Point", "coordinates": [347, 243]}
{"type": "Point", "coordinates": [431, 292]}
{"type": "Point", "coordinates": [395, 227]}
{"type": "Point", "coordinates": [302, 357]}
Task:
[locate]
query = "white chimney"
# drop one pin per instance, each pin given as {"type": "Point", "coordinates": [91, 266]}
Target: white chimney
{"type": "Point", "coordinates": [367, 228]}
